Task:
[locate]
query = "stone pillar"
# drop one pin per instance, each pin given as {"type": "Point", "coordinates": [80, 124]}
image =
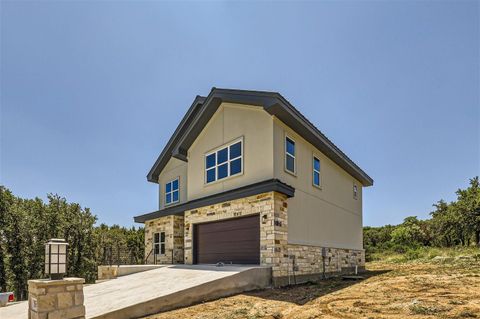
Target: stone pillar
{"type": "Point", "coordinates": [56, 299]}
{"type": "Point", "coordinates": [274, 236]}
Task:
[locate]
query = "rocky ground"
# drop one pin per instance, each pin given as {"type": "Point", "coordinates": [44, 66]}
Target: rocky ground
{"type": "Point", "coordinates": [436, 289]}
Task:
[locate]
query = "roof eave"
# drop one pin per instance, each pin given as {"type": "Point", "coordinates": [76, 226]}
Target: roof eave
{"type": "Point", "coordinates": [164, 156]}
{"type": "Point", "coordinates": [271, 185]}
{"type": "Point", "coordinates": [274, 103]}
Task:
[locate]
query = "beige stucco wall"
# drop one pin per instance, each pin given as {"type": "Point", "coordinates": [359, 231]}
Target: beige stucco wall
{"type": "Point", "coordinates": [232, 121]}
{"type": "Point", "coordinates": [328, 216]}
{"type": "Point", "coordinates": [174, 168]}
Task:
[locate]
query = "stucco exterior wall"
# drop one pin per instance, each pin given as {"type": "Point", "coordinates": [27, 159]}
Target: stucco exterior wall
{"type": "Point", "coordinates": [174, 168]}
{"type": "Point", "coordinates": [328, 216]}
{"type": "Point", "coordinates": [230, 122]}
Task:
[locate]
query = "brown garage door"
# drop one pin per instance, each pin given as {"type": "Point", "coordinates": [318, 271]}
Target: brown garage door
{"type": "Point", "coordinates": [234, 240]}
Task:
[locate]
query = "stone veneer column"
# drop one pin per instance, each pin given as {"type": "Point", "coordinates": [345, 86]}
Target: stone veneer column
{"type": "Point", "coordinates": [274, 236]}
{"type": "Point", "coordinates": [56, 299]}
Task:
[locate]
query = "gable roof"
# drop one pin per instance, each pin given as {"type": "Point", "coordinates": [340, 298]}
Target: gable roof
{"type": "Point", "coordinates": [274, 103]}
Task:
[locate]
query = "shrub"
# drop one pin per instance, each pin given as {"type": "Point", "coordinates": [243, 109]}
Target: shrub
{"type": "Point", "coordinates": [412, 254]}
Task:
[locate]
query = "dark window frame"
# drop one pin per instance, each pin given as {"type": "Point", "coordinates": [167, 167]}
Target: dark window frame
{"type": "Point", "coordinates": [291, 155]}
{"type": "Point", "coordinates": [212, 172]}
{"type": "Point", "coordinates": [172, 191]}
{"type": "Point", "coordinates": [315, 171]}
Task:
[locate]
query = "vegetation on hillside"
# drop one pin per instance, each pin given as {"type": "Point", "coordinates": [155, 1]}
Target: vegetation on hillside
{"type": "Point", "coordinates": [27, 224]}
{"type": "Point", "coordinates": [452, 225]}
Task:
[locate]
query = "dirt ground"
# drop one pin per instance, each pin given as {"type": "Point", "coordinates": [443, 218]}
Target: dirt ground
{"type": "Point", "coordinates": [413, 290]}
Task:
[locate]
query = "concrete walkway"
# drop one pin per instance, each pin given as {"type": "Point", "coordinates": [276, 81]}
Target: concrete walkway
{"type": "Point", "coordinates": [161, 289]}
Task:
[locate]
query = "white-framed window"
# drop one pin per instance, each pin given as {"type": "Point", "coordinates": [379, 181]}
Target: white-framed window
{"type": "Point", "coordinates": [172, 194]}
{"type": "Point", "coordinates": [159, 243]}
{"type": "Point", "coordinates": [355, 191]}
{"type": "Point", "coordinates": [289, 155]}
{"type": "Point", "coordinates": [316, 172]}
{"type": "Point", "coordinates": [224, 162]}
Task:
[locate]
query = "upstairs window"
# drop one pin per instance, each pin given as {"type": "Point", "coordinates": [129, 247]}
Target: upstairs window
{"type": "Point", "coordinates": [223, 163]}
{"type": "Point", "coordinates": [289, 155]}
{"type": "Point", "coordinates": [171, 192]}
{"type": "Point", "coordinates": [355, 191]}
{"type": "Point", "coordinates": [316, 172]}
{"type": "Point", "coordinates": [159, 243]}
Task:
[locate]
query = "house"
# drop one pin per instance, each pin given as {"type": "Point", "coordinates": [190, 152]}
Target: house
{"type": "Point", "coordinates": [247, 179]}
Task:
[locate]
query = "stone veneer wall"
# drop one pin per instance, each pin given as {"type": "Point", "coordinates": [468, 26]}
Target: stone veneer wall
{"type": "Point", "coordinates": [56, 299]}
{"type": "Point", "coordinates": [306, 262]}
{"type": "Point", "coordinates": [287, 260]}
{"type": "Point", "coordinates": [272, 208]}
{"type": "Point", "coordinates": [173, 227]}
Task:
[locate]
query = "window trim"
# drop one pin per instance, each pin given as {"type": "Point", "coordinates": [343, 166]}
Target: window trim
{"type": "Point", "coordinates": [214, 151]}
{"type": "Point", "coordinates": [171, 192]}
{"type": "Point", "coordinates": [294, 173]}
{"type": "Point", "coordinates": [160, 243]}
{"type": "Point", "coordinates": [315, 157]}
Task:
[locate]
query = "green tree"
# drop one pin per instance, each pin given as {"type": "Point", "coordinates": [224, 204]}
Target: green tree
{"type": "Point", "coordinates": [468, 205]}
{"type": "Point", "coordinates": [409, 234]}
{"type": "Point", "coordinates": [27, 224]}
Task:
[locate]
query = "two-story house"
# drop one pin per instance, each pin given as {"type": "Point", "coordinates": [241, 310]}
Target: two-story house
{"type": "Point", "coordinates": [247, 179]}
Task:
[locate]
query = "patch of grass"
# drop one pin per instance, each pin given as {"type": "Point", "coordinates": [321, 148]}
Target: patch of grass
{"type": "Point", "coordinates": [426, 254]}
{"type": "Point", "coordinates": [467, 314]}
{"type": "Point", "coordinates": [418, 309]}
{"type": "Point", "coordinates": [277, 315]}
{"type": "Point", "coordinates": [240, 311]}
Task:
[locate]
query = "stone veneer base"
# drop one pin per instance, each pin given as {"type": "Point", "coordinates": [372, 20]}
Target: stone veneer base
{"type": "Point", "coordinates": [275, 251]}
{"type": "Point", "coordinates": [173, 227]}
{"type": "Point", "coordinates": [314, 277]}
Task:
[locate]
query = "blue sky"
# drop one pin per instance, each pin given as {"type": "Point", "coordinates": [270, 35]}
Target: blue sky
{"type": "Point", "coordinates": [91, 91]}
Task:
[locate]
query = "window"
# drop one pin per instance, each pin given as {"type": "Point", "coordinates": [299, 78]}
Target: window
{"type": "Point", "coordinates": [355, 191]}
{"type": "Point", "coordinates": [159, 243]}
{"type": "Point", "coordinates": [290, 155]}
{"type": "Point", "coordinates": [224, 162]}
{"type": "Point", "coordinates": [171, 192]}
{"type": "Point", "coordinates": [316, 172]}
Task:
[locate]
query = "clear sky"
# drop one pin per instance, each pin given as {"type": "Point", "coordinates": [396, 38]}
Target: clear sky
{"type": "Point", "coordinates": [92, 91]}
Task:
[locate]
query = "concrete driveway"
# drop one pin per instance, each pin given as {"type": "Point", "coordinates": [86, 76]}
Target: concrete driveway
{"type": "Point", "coordinates": [161, 289]}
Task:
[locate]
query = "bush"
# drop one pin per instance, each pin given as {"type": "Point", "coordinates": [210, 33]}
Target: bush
{"type": "Point", "coordinates": [412, 254]}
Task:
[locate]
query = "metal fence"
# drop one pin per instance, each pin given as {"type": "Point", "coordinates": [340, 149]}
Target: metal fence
{"type": "Point", "coordinates": [121, 255]}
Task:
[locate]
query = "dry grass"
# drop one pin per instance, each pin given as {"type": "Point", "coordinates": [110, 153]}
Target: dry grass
{"type": "Point", "coordinates": [413, 290]}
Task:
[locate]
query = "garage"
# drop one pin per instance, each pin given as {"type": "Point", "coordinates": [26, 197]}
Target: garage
{"type": "Point", "coordinates": [234, 241]}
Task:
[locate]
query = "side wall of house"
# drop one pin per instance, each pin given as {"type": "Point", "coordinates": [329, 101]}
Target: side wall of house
{"type": "Point", "coordinates": [230, 122]}
{"type": "Point", "coordinates": [328, 216]}
{"type": "Point", "coordinates": [175, 168]}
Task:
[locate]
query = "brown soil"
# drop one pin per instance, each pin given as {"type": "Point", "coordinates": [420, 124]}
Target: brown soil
{"type": "Point", "coordinates": [414, 290]}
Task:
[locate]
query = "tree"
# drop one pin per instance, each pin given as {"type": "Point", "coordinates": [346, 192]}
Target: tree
{"type": "Point", "coordinates": [27, 224]}
{"type": "Point", "coordinates": [468, 205]}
